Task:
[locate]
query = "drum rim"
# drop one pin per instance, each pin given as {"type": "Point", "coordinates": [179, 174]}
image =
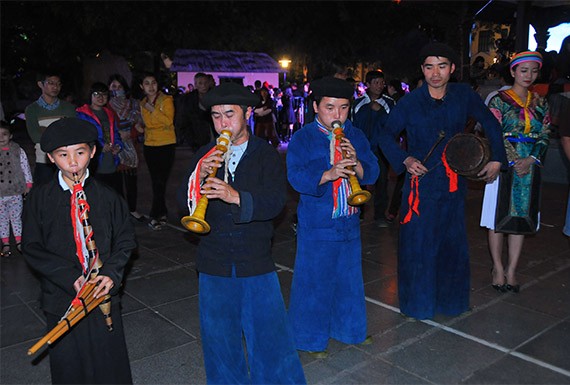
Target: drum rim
{"type": "Point", "coordinates": [485, 151]}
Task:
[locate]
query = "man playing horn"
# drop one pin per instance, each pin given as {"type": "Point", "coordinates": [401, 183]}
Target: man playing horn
{"type": "Point", "coordinates": [327, 294]}
{"type": "Point", "coordinates": [239, 292]}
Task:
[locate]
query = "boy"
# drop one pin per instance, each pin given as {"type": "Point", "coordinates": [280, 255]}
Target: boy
{"type": "Point", "coordinates": [89, 353]}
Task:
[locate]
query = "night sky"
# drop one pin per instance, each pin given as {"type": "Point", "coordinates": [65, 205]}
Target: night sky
{"type": "Point", "coordinates": [35, 34]}
{"type": "Point", "coordinates": [317, 34]}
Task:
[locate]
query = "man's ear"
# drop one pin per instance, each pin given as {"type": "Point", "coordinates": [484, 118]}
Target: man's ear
{"type": "Point", "coordinates": [452, 68]}
{"type": "Point", "coordinates": [315, 106]}
{"type": "Point", "coordinates": [40, 84]}
{"type": "Point", "coordinates": [50, 157]}
{"type": "Point", "coordinates": [93, 151]}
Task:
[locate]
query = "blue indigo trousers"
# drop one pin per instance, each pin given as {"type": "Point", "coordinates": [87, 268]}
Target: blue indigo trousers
{"type": "Point", "coordinates": [327, 294]}
{"type": "Point", "coordinates": [238, 311]}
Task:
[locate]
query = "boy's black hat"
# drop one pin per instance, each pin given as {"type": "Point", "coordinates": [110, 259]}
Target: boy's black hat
{"type": "Point", "coordinates": [230, 93]}
{"type": "Point", "coordinates": [436, 48]}
{"type": "Point", "coordinates": [67, 131]}
{"type": "Point", "coordinates": [333, 88]}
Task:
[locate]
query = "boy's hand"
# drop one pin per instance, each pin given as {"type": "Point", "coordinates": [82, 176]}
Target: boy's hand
{"type": "Point", "coordinates": [78, 283]}
{"type": "Point", "coordinates": [104, 286]}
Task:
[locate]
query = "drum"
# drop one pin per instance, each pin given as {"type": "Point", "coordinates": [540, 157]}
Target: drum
{"type": "Point", "coordinates": [467, 154]}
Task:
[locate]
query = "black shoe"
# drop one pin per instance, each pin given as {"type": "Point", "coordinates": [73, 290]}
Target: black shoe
{"type": "Point", "coordinates": [155, 225]}
{"type": "Point", "coordinates": [5, 251]}
{"type": "Point", "coordinates": [513, 288]}
{"type": "Point", "coordinates": [500, 288]}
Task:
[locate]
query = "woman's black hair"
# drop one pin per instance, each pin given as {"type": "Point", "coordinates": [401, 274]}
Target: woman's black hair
{"type": "Point", "coordinates": [145, 75]}
{"type": "Point", "coordinates": [122, 80]}
{"type": "Point", "coordinates": [98, 87]}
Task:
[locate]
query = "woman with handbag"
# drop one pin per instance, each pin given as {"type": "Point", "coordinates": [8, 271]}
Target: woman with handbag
{"type": "Point", "coordinates": [130, 126]}
{"type": "Point", "coordinates": [511, 203]}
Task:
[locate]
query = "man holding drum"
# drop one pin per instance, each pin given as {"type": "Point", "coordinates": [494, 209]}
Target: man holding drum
{"type": "Point", "coordinates": [433, 258]}
{"type": "Point", "coordinates": [327, 294]}
{"type": "Point", "coordinates": [239, 291]}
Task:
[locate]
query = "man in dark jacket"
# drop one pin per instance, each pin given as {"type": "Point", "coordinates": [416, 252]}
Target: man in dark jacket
{"type": "Point", "coordinates": [239, 291]}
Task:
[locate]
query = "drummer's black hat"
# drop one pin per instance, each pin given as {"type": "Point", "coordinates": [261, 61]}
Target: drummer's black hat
{"type": "Point", "coordinates": [436, 48]}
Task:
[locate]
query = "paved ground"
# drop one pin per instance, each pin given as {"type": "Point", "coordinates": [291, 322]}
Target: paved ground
{"type": "Point", "coordinates": [504, 339]}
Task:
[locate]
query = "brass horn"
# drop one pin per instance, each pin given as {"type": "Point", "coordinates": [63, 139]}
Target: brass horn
{"type": "Point", "coordinates": [358, 196]}
{"type": "Point", "coordinates": [196, 222]}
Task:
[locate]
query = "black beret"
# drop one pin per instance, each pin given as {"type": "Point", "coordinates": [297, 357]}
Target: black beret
{"type": "Point", "coordinates": [333, 88]}
{"type": "Point", "coordinates": [230, 93]}
{"type": "Point", "coordinates": [67, 131]}
{"type": "Point", "coordinates": [438, 49]}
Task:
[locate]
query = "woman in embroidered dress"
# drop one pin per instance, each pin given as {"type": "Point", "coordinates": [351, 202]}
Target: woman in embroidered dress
{"type": "Point", "coordinates": [159, 145]}
{"type": "Point", "coordinates": [130, 125]}
{"type": "Point", "coordinates": [525, 121]}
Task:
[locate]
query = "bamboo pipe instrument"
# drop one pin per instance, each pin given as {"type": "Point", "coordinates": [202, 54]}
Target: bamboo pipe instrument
{"type": "Point", "coordinates": [88, 303]}
{"type": "Point", "coordinates": [94, 260]}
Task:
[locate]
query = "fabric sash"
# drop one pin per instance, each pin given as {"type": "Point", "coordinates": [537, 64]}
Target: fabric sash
{"type": "Point", "coordinates": [341, 189]}
{"type": "Point", "coordinates": [525, 106]}
{"type": "Point", "coordinates": [79, 207]}
{"type": "Point", "coordinates": [77, 200]}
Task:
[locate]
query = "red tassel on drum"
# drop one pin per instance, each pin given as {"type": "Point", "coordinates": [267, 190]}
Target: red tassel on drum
{"type": "Point", "coordinates": [413, 200]}
{"type": "Point", "coordinates": [452, 175]}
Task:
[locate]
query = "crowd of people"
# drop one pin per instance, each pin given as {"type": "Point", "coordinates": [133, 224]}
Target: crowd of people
{"type": "Point", "coordinates": [337, 132]}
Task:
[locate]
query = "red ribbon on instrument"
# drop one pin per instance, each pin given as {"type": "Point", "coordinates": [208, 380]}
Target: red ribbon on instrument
{"type": "Point", "coordinates": [75, 218]}
{"type": "Point", "coordinates": [76, 214]}
{"type": "Point", "coordinates": [194, 185]}
{"type": "Point", "coordinates": [413, 200]}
